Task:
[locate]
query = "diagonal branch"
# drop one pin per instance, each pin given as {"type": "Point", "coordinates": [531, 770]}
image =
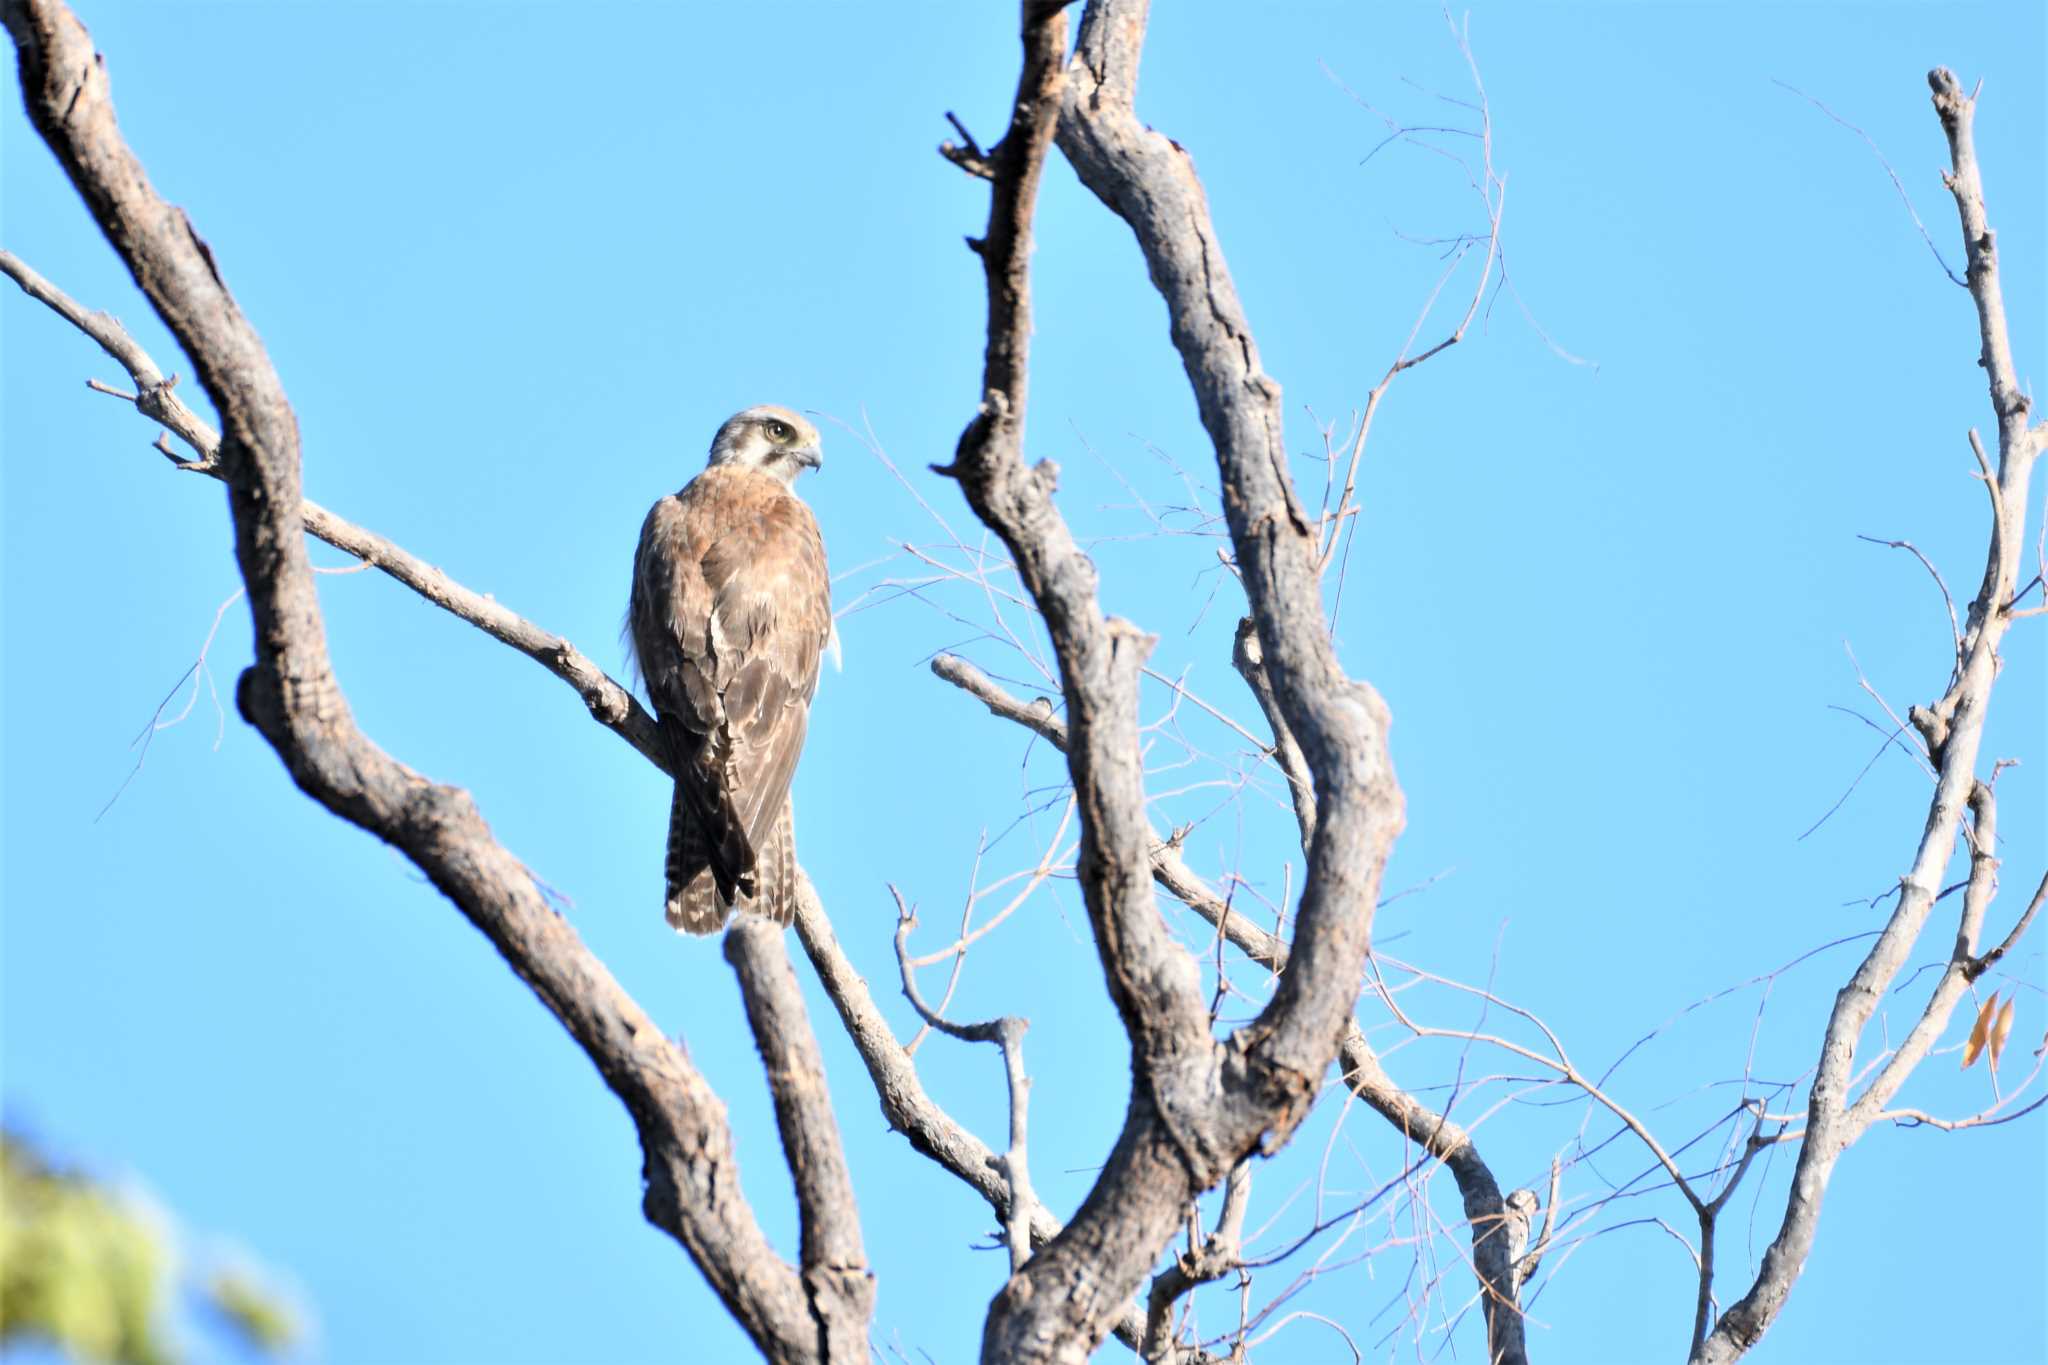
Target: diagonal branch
{"type": "Point", "coordinates": [1007, 1033]}
{"type": "Point", "coordinates": [609, 701]}
{"type": "Point", "coordinates": [1216, 1257]}
{"type": "Point", "coordinates": [1340, 724]}
{"type": "Point", "coordinates": [291, 696]}
{"type": "Point", "coordinates": [836, 1277]}
{"type": "Point", "coordinates": [905, 1105]}
{"type": "Point", "coordinates": [1953, 728]}
{"type": "Point", "coordinates": [1196, 1109]}
{"type": "Point", "coordinates": [1485, 1207]}
{"type": "Point", "coordinates": [1060, 1303]}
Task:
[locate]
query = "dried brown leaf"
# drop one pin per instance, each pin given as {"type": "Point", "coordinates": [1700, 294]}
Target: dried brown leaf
{"type": "Point", "coordinates": [1979, 1031]}
{"type": "Point", "coordinates": [2001, 1030]}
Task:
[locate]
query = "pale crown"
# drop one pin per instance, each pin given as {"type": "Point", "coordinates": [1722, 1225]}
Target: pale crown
{"type": "Point", "coordinates": [769, 438]}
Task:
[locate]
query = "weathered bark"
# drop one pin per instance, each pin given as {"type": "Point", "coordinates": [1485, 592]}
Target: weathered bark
{"type": "Point", "coordinates": [834, 1267]}
{"type": "Point", "coordinates": [1952, 729]}
{"type": "Point", "coordinates": [1486, 1210]}
{"type": "Point", "coordinates": [291, 696]}
{"type": "Point", "coordinates": [1196, 1108]}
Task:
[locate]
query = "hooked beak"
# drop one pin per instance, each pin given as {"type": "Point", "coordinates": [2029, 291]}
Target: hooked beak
{"type": "Point", "coordinates": [809, 456]}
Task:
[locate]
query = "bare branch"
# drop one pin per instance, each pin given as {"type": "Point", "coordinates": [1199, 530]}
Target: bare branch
{"type": "Point", "coordinates": [906, 1106]}
{"type": "Point", "coordinates": [1151, 980]}
{"type": "Point", "coordinates": [1709, 1217]}
{"type": "Point", "coordinates": [1215, 1258]}
{"type": "Point", "coordinates": [1492, 191]}
{"type": "Point", "coordinates": [1885, 162]}
{"type": "Point", "coordinates": [1007, 1033]}
{"type": "Point", "coordinates": [1956, 976]}
{"type": "Point", "coordinates": [291, 696]}
{"type": "Point", "coordinates": [1361, 1069]}
{"type": "Point", "coordinates": [2005, 945]}
{"type": "Point", "coordinates": [834, 1267]}
{"type": "Point", "coordinates": [609, 701]}
{"type": "Point", "coordinates": [1196, 1110]}
{"type": "Point", "coordinates": [967, 153]}
{"type": "Point", "coordinates": [1340, 724]}
{"type": "Point", "coordinates": [1955, 628]}
{"type": "Point", "coordinates": [1249, 658]}
{"type": "Point", "coordinates": [1953, 728]}
{"type": "Point", "coordinates": [154, 396]}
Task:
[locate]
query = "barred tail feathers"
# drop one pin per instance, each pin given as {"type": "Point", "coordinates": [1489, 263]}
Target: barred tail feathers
{"type": "Point", "coordinates": [775, 871]}
{"type": "Point", "coordinates": [694, 903]}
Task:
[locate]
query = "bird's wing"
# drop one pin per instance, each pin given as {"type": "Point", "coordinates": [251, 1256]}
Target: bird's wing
{"type": "Point", "coordinates": [671, 627]}
{"type": "Point", "coordinates": [770, 617]}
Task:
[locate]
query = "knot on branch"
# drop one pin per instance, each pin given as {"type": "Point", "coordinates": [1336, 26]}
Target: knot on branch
{"type": "Point", "coordinates": [1279, 1095]}
{"type": "Point", "coordinates": [1129, 643]}
{"type": "Point", "coordinates": [256, 697]}
{"type": "Point", "coordinates": [157, 401]}
{"type": "Point", "coordinates": [1933, 727]}
{"type": "Point", "coordinates": [1948, 92]}
{"type": "Point", "coordinates": [1367, 698]}
{"type": "Point", "coordinates": [608, 705]}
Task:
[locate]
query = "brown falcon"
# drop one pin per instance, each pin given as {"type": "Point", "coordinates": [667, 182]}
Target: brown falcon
{"type": "Point", "coordinates": [731, 609]}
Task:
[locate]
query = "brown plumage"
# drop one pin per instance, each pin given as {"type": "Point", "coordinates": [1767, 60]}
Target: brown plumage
{"type": "Point", "coordinates": [731, 609]}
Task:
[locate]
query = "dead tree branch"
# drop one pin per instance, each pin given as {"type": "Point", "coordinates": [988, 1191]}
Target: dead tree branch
{"type": "Point", "coordinates": [291, 696]}
{"type": "Point", "coordinates": [1007, 1033]}
{"type": "Point", "coordinates": [1360, 1066]}
{"type": "Point", "coordinates": [609, 701]}
{"type": "Point", "coordinates": [1062, 1302]}
{"type": "Point", "coordinates": [1341, 724]}
{"type": "Point", "coordinates": [1216, 1257]}
{"type": "Point", "coordinates": [1196, 1108]}
{"type": "Point", "coordinates": [834, 1266]}
{"type": "Point", "coordinates": [905, 1104]}
{"type": "Point", "coordinates": [1953, 729]}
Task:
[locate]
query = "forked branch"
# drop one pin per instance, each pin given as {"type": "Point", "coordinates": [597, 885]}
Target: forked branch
{"type": "Point", "coordinates": [291, 696]}
{"type": "Point", "coordinates": [1953, 728]}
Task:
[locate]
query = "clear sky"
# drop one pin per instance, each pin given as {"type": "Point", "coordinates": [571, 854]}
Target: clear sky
{"type": "Point", "coordinates": [516, 262]}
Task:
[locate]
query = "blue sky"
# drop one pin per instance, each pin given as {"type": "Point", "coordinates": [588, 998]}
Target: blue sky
{"type": "Point", "coordinates": [515, 263]}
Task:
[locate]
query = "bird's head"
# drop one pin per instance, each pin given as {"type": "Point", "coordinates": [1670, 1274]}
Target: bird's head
{"type": "Point", "coordinates": [771, 439]}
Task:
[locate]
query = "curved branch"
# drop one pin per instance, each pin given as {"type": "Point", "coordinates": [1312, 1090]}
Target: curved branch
{"type": "Point", "coordinates": [1060, 1303]}
{"type": "Point", "coordinates": [1195, 1109]}
{"type": "Point", "coordinates": [1485, 1207]}
{"type": "Point", "coordinates": [291, 696]}
{"type": "Point", "coordinates": [1953, 728]}
{"type": "Point", "coordinates": [609, 700]}
{"type": "Point", "coordinates": [836, 1277]}
{"type": "Point", "coordinates": [905, 1105]}
{"type": "Point", "coordinates": [1340, 724]}
{"type": "Point", "coordinates": [1007, 1033]}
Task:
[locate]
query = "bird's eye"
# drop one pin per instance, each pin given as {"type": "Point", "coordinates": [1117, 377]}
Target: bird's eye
{"type": "Point", "coordinates": [780, 432]}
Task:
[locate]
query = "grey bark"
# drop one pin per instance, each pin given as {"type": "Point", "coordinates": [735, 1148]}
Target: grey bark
{"type": "Point", "coordinates": [291, 696]}
{"type": "Point", "coordinates": [1952, 729]}
{"type": "Point", "coordinates": [1197, 1107]}
{"type": "Point", "coordinates": [1487, 1211]}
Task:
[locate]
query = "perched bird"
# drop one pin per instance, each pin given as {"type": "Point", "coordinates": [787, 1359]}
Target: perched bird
{"type": "Point", "coordinates": [731, 609]}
